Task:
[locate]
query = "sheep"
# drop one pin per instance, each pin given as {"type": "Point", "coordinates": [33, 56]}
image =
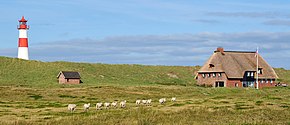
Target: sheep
{"type": "Point", "coordinates": [99, 105]}
{"type": "Point", "coordinates": [86, 107]}
{"type": "Point", "coordinates": [148, 102]}
{"type": "Point", "coordinates": [71, 107]}
{"type": "Point", "coordinates": [123, 104]}
{"type": "Point", "coordinates": [138, 102]}
{"type": "Point", "coordinates": [114, 104]}
{"type": "Point", "coordinates": [106, 104]}
{"type": "Point", "coordinates": [162, 100]}
{"type": "Point", "coordinates": [173, 99]}
{"type": "Point", "coordinates": [144, 102]}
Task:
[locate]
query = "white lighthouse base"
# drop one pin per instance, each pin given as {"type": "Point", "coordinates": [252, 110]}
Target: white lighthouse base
{"type": "Point", "coordinates": [23, 53]}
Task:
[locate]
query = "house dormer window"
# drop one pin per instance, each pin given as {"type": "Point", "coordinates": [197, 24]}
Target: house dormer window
{"type": "Point", "coordinates": [249, 74]}
{"type": "Point", "coordinates": [211, 65]}
{"type": "Point", "coordinates": [260, 70]}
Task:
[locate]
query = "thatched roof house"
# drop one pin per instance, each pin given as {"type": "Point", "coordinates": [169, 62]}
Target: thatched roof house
{"type": "Point", "coordinates": [235, 69]}
{"type": "Point", "coordinates": [69, 77]}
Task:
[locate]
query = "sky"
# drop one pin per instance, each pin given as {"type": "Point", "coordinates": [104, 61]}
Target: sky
{"type": "Point", "coordinates": [148, 32]}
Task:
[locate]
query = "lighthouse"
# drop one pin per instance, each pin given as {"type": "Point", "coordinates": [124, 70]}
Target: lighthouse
{"type": "Point", "coordinates": [23, 40]}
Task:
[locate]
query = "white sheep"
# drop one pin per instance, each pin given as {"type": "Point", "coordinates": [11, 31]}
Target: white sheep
{"type": "Point", "coordinates": [173, 99]}
{"type": "Point", "coordinates": [123, 104]}
{"type": "Point", "coordinates": [162, 100]}
{"type": "Point", "coordinates": [114, 104]}
{"type": "Point", "coordinates": [86, 107]}
{"type": "Point", "coordinates": [138, 102]}
{"type": "Point", "coordinates": [106, 104]}
{"type": "Point", "coordinates": [144, 102]}
{"type": "Point", "coordinates": [71, 107]}
{"type": "Point", "coordinates": [99, 105]}
{"type": "Point", "coordinates": [148, 102]}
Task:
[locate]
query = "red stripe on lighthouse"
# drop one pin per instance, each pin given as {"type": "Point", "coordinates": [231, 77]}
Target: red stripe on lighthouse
{"type": "Point", "coordinates": [23, 42]}
{"type": "Point", "coordinates": [22, 26]}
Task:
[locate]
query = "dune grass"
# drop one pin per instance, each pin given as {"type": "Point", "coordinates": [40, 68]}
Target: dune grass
{"type": "Point", "coordinates": [30, 94]}
{"type": "Point", "coordinates": [284, 75]}
{"type": "Point", "coordinates": [194, 105]}
{"type": "Point", "coordinates": [43, 74]}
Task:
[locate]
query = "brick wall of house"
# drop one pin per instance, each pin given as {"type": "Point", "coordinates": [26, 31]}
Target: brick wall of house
{"type": "Point", "coordinates": [234, 83]}
{"type": "Point", "coordinates": [267, 84]}
{"type": "Point", "coordinates": [210, 80]}
{"type": "Point", "coordinates": [238, 83]}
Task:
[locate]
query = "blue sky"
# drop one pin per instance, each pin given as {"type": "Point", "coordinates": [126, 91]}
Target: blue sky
{"type": "Point", "coordinates": [150, 32]}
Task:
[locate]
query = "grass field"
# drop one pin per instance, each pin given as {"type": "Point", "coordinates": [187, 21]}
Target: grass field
{"type": "Point", "coordinates": [30, 94]}
{"type": "Point", "coordinates": [43, 74]}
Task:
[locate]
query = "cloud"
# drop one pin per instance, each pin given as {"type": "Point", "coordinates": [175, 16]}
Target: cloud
{"type": "Point", "coordinates": [8, 52]}
{"type": "Point", "coordinates": [250, 14]}
{"type": "Point", "coordinates": [206, 21]}
{"type": "Point", "coordinates": [174, 49]}
{"type": "Point", "coordinates": [277, 22]}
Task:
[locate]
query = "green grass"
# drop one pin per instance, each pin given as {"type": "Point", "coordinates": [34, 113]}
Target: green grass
{"type": "Point", "coordinates": [67, 96]}
{"type": "Point", "coordinates": [35, 97]}
{"type": "Point", "coordinates": [30, 94]}
{"type": "Point", "coordinates": [242, 106]}
{"type": "Point", "coordinates": [43, 74]}
{"type": "Point", "coordinates": [284, 75]}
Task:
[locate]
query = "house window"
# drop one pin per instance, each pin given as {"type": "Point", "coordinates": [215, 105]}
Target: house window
{"type": "Point", "coordinates": [248, 74]}
{"type": "Point", "coordinates": [203, 75]}
{"type": "Point", "coordinates": [236, 84]}
{"type": "Point", "coordinates": [271, 81]}
{"type": "Point", "coordinates": [220, 74]}
{"type": "Point", "coordinates": [260, 71]}
{"type": "Point", "coordinates": [208, 75]}
{"type": "Point", "coordinates": [219, 84]}
{"type": "Point", "coordinates": [214, 74]}
{"type": "Point", "coordinates": [266, 81]}
{"type": "Point", "coordinates": [252, 74]}
{"type": "Point", "coordinates": [262, 81]}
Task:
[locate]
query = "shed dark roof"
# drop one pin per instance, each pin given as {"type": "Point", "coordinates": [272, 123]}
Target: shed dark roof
{"type": "Point", "coordinates": [69, 74]}
{"type": "Point", "coordinates": [235, 63]}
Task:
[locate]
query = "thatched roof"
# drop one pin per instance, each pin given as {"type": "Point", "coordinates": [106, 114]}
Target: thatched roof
{"type": "Point", "coordinates": [235, 63]}
{"type": "Point", "coordinates": [69, 74]}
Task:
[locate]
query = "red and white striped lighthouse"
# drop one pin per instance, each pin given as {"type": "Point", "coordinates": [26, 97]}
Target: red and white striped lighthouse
{"type": "Point", "coordinates": [23, 40]}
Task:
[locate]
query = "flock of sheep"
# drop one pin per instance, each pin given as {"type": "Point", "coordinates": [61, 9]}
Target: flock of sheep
{"type": "Point", "coordinates": [106, 105]}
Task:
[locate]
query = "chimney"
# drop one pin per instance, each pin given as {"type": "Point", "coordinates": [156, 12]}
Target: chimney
{"type": "Point", "coordinates": [221, 50]}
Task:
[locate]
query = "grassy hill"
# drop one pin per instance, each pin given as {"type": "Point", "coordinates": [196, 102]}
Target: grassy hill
{"type": "Point", "coordinates": [284, 75]}
{"type": "Point", "coordinates": [43, 74]}
{"type": "Point", "coordinates": [30, 94]}
{"type": "Point", "coordinates": [35, 73]}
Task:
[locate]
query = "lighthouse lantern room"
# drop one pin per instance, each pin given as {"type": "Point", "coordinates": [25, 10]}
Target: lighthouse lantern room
{"type": "Point", "coordinates": [23, 40]}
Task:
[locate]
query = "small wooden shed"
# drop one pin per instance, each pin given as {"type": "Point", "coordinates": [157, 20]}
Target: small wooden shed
{"type": "Point", "coordinates": [69, 77]}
